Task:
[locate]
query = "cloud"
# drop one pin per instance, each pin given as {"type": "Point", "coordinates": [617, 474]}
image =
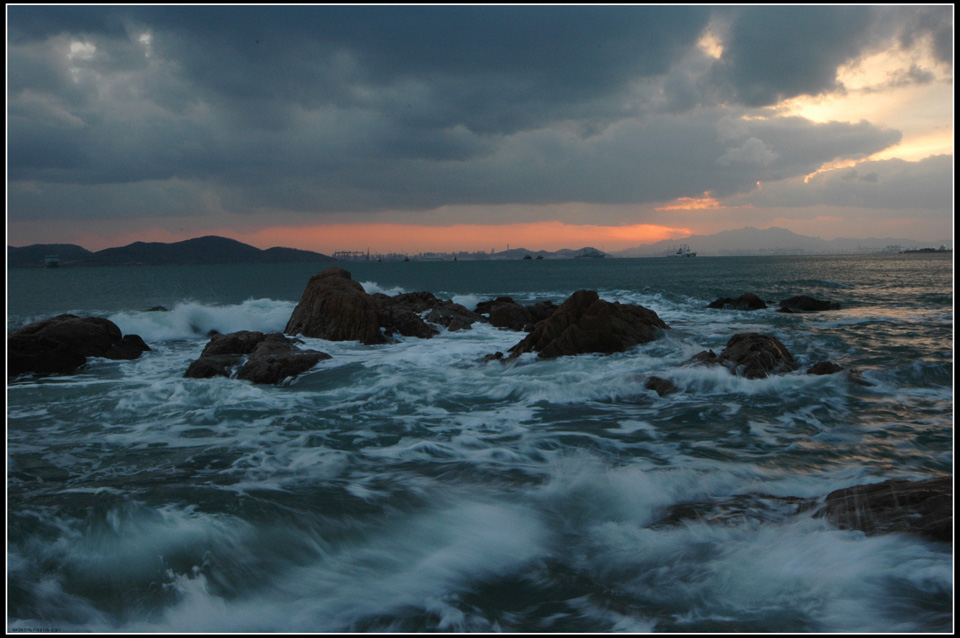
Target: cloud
{"type": "Point", "coordinates": [183, 110]}
{"type": "Point", "coordinates": [888, 184]}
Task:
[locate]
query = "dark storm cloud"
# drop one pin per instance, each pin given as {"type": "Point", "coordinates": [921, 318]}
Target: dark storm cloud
{"type": "Point", "coordinates": [370, 108]}
{"type": "Point", "coordinates": [772, 53]}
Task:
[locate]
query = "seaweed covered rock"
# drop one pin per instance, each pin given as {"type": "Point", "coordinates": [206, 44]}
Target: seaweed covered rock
{"type": "Point", "coordinates": [61, 344]}
{"type": "Point", "coordinates": [265, 359]}
{"type": "Point", "coordinates": [746, 301]}
{"type": "Point", "coordinates": [803, 303]}
{"type": "Point", "coordinates": [584, 323]}
{"type": "Point", "coordinates": [919, 507]}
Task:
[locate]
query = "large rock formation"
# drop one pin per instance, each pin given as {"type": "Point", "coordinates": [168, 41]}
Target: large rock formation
{"type": "Point", "coordinates": [803, 303]}
{"type": "Point", "coordinates": [746, 301]}
{"type": "Point", "coordinates": [272, 357]}
{"type": "Point", "coordinates": [62, 344]}
{"type": "Point", "coordinates": [920, 507]}
{"type": "Point", "coordinates": [751, 355]}
{"type": "Point", "coordinates": [585, 323]}
{"type": "Point", "coordinates": [336, 308]}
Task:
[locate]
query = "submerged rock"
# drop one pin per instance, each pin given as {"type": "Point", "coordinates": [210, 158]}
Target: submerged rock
{"type": "Point", "coordinates": [802, 303]}
{"type": "Point", "coordinates": [746, 301]}
{"type": "Point", "coordinates": [584, 323]}
{"type": "Point", "coordinates": [751, 355]}
{"type": "Point", "coordinates": [828, 367]}
{"type": "Point", "coordinates": [919, 507]}
{"type": "Point", "coordinates": [272, 357]}
{"type": "Point", "coordinates": [61, 344]}
{"type": "Point", "coordinates": [662, 387]}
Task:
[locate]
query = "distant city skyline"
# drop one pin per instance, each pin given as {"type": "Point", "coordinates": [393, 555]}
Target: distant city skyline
{"type": "Point", "coordinates": [331, 128]}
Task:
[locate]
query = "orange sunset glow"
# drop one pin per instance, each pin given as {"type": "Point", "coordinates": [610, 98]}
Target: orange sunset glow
{"type": "Point", "coordinates": [412, 238]}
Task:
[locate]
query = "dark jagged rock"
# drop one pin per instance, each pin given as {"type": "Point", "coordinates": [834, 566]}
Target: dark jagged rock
{"type": "Point", "coordinates": [234, 343]}
{"type": "Point", "coordinates": [584, 323]}
{"type": "Point", "coordinates": [750, 354]}
{"type": "Point", "coordinates": [453, 316]}
{"type": "Point", "coordinates": [61, 344]}
{"type": "Point", "coordinates": [802, 303]}
{"type": "Point", "coordinates": [157, 309]}
{"type": "Point", "coordinates": [756, 355]}
{"type": "Point", "coordinates": [272, 357]}
{"type": "Point", "coordinates": [824, 367]}
{"type": "Point", "coordinates": [746, 301]}
{"type": "Point", "coordinates": [336, 308]}
{"type": "Point", "coordinates": [506, 313]}
{"type": "Point", "coordinates": [663, 387]}
{"type": "Point", "coordinates": [276, 358]}
{"type": "Point", "coordinates": [828, 367]}
{"type": "Point", "coordinates": [920, 507]}
{"type": "Point", "coordinates": [129, 347]}
{"type": "Point", "coordinates": [705, 358]}
{"type": "Point", "coordinates": [215, 365]}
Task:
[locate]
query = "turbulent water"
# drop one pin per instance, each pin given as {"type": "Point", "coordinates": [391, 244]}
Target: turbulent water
{"type": "Point", "coordinates": [411, 487]}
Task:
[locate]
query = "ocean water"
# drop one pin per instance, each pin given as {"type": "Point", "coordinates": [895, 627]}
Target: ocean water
{"type": "Point", "coordinates": [411, 487]}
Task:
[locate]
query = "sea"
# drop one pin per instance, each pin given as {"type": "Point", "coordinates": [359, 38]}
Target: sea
{"type": "Point", "coordinates": [412, 487]}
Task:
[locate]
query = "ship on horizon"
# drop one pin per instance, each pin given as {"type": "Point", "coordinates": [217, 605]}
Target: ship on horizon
{"type": "Point", "coordinates": [684, 251]}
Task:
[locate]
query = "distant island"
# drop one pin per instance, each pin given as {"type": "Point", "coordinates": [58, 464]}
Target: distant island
{"type": "Point", "coordinates": [221, 250]}
{"type": "Point", "coordinates": [198, 251]}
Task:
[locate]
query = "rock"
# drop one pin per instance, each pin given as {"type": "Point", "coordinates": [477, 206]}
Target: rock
{"type": "Point", "coordinates": [746, 301]}
{"type": "Point", "coordinates": [276, 358]}
{"type": "Point", "coordinates": [824, 367]}
{"type": "Point", "coordinates": [272, 357]}
{"type": "Point", "coordinates": [751, 355]}
{"type": "Point", "coordinates": [584, 323]}
{"type": "Point", "coordinates": [802, 303]}
{"type": "Point", "coordinates": [828, 367]}
{"type": "Point", "coordinates": [335, 307]}
{"type": "Point", "coordinates": [61, 344]}
{"type": "Point", "coordinates": [506, 313]}
{"type": "Point", "coordinates": [157, 309]}
{"type": "Point", "coordinates": [705, 358]}
{"type": "Point", "coordinates": [756, 355]}
{"type": "Point", "coordinates": [663, 387]}
{"type": "Point", "coordinates": [920, 507]}
{"type": "Point", "coordinates": [129, 347]}
{"type": "Point", "coordinates": [453, 316]}
{"type": "Point", "coordinates": [217, 365]}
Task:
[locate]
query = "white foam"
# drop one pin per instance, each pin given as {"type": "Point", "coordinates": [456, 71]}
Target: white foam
{"type": "Point", "coordinates": [190, 320]}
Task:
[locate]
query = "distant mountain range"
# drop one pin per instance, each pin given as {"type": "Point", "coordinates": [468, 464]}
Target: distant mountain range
{"type": "Point", "coordinates": [220, 250]}
{"type": "Point", "coordinates": [775, 241]}
{"type": "Point", "coordinates": [201, 250]}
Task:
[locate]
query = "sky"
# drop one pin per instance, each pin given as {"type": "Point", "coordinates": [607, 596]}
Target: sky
{"type": "Point", "coordinates": [441, 128]}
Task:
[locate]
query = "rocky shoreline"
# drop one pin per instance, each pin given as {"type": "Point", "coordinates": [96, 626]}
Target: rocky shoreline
{"type": "Point", "coordinates": [333, 307]}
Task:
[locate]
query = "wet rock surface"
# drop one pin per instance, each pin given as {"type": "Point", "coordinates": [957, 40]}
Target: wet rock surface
{"type": "Point", "coordinates": [584, 323]}
{"type": "Point", "coordinates": [61, 344]}
{"type": "Point", "coordinates": [919, 507]}
{"type": "Point", "coordinates": [336, 308]}
{"type": "Point", "coordinates": [262, 358]}
{"type": "Point", "coordinates": [746, 301]}
{"type": "Point", "coordinates": [751, 355]}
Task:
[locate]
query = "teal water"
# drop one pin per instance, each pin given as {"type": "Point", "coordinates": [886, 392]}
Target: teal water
{"type": "Point", "coordinates": [412, 487]}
